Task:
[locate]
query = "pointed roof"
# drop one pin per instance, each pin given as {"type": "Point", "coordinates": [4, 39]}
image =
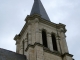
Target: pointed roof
{"type": "Point", "coordinates": [39, 9]}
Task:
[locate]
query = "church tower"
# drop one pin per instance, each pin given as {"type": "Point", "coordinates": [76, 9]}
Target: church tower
{"type": "Point", "coordinates": [41, 39]}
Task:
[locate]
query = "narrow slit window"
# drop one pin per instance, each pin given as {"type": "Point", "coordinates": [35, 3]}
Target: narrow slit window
{"type": "Point", "coordinates": [54, 42]}
{"type": "Point", "coordinates": [44, 38]}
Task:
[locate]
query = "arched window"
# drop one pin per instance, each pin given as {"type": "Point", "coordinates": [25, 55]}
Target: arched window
{"type": "Point", "coordinates": [54, 42]}
{"type": "Point", "coordinates": [44, 38]}
{"type": "Point", "coordinates": [23, 46]}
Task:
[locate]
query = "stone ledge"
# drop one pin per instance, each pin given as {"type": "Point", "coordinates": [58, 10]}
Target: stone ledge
{"type": "Point", "coordinates": [17, 37]}
{"type": "Point", "coordinates": [32, 17]}
{"type": "Point", "coordinates": [67, 54]}
{"type": "Point", "coordinates": [44, 48]}
{"type": "Point", "coordinates": [58, 26]}
{"type": "Point", "coordinates": [52, 52]}
{"type": "Point", "coordinates": [33, 46]}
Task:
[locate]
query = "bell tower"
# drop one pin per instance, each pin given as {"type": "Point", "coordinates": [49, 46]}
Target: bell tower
{"type": "Point", "coordinates": [41, 39]}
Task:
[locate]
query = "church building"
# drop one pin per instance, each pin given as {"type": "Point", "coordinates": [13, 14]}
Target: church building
{"type": "Point", "coordinates": [39, 39]}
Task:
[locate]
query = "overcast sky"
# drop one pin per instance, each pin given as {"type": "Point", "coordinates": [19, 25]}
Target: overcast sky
{"type": "Point", "coordinates": [13, 13]}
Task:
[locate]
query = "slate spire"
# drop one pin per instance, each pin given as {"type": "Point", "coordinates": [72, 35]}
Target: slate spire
{"type": "Point", "coordinates": [39, 9]}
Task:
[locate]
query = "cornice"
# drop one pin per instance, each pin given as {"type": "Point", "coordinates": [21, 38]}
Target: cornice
{"type": "Point", "coordinates": [21, 32]}
{"type": "Point", "coordinates": [67, 54]}
{"type": "Point", "coordinates": [52, 52]}
{"type": "Point", "coordinates": [61, 27]}
{"type": "Point", "coordinates": [33, 46]}
{"type": "Point", "coordinates": [58, 26]}
{"type": "Point", "coordinates": [17, 37]}
{"type": "Point", "coordinates": [48, 23]}
{"type": "Point", "coordinates": [44, 48]}
{"type": "Point", "coordinates": [23, 29]}
{"type": "Point", "coordinates": [32, 17]}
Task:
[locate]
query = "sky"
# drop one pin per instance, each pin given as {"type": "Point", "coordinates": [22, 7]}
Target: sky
{"type": "Point", "coordinates": [14, 12]}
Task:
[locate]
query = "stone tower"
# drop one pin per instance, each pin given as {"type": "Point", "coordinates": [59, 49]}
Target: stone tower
{"type": "Point", "coordinates": [41, 39]}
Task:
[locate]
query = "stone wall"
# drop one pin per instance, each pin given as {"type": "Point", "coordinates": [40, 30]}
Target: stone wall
{"type": "Point", "coordinates": [32, 33]}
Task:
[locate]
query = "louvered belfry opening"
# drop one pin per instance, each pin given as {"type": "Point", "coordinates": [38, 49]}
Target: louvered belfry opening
{"type": "Point", "coordinates": [54, 42]}
{"type": "Point", "coordinates": [44, 38]}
